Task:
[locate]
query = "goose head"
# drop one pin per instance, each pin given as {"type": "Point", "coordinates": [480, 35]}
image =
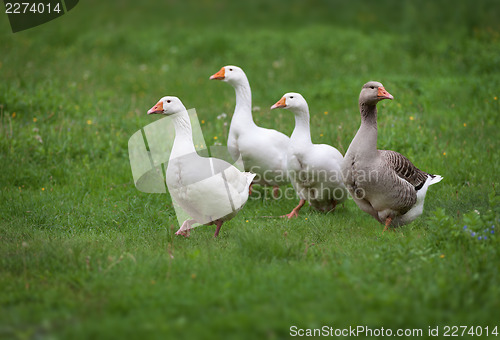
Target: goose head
{"type": "Point", "coordinates": [373, 92]}
{"type": "Point", "coordinates": [168, 105]}
{"type": "Point", "coordinates": [293, 101]}
{"type": "Point", "coordinates": [231, 74]}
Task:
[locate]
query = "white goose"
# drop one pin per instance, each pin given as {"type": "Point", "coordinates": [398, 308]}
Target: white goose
{"type": "Point", "coordinates": [209, 190]}
{"type": "Point", "coordinates": [262, 150]}
{"type": "Point", "coordinates": [383, 183]}
{"type": "Point", "coordinates": [314, 169]}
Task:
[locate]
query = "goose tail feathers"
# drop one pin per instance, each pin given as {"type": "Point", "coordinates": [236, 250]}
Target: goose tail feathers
{"type": "Point", "coordinates": [435, 179]}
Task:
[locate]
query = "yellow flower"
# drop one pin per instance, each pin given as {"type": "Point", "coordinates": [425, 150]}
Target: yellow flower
{"type": "Point", "coordinates": [444, 153]}
{"type": "Point", "coordinates": [321, 135]}
{"type": "Point", "coordinates": [89, 122]}
{"type": "Point", "coordinates": [215, 137]}
{"type": "Point", "coordinates": [495, 98]}
{"type": "Point", "coordinates": [326, 112]}
{"type": "Point", "coordinates": [412, 118]}
{"type": "Point", "coordinates": [13, 115]}
{"type": "Point", "coordinates": [465, 124]}
{"type": "Point", "coordinates": [34, 120]}
{"type": "Point", "coordinates": [246, 221]}
{"type": "Point", "coordinates": [202, 121]}
{"type": "Point", "coordinates": [193, 276]}
{"type": "Point", "coordinates": [43, 189]}
{"type": "Point", "coordinates": [441, 256]}
{"type": "Point", "coordinates": [306, 218]}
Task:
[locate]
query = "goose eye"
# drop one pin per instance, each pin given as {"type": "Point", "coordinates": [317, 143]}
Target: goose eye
{"type": "Point", "coordinates": [230, 69]}
{"type": "Point", "coordinates": [291, 97]}
{"type": "Point", "coordinates": [168, 100]}
{"type": "Point", "coordinates": [372, 87]}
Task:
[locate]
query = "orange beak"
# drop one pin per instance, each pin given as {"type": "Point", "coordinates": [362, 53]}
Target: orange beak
{"type": "Point", "coordinates": [219, 75]}
{"type": "Point", "coordinates": [383, 94]}
{"type": "Point", "coordinates": [279, 104]}
{"type": "Point", "coordinates": [158, 108]}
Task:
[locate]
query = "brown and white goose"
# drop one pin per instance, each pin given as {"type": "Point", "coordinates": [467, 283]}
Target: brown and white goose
{"type": "Point", "coordinates": [383, 183]}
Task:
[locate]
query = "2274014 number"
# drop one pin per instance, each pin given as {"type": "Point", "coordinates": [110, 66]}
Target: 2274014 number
{"type": "Point", "coordinates": [33, 7]}
{"type": "Point", "coordinates": [469, 330]}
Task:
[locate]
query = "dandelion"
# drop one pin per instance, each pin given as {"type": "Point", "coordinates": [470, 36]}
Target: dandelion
{"type": "Point", "coordinates": [306, 218]}
{"type": "Point", "coordinates": [34, 120]}
{"type": "Point", "coordinates": [495, 98]}
{"type": "Point", "coordinates": [444, 153]}
{"type": "Point", "coordinates": [326, 112]}
{"type": "Point", "coordinates": [442, 256]}
{"type": "Point", "coordinates": [465, 124]}
{"type": "Point", "coordinates": [412, 118]}
{"type": "Point", "coordinates": [43, 189]}
{"type": "Point", "coordinates": [193, 276]}
{"type": "Point", "coordinates": [246, 221]}
{"type": "Point", "coordinates": [202, 121]}
{"type": "Point", "coordinates": [89, 122]}
{"type": "Point", "coordinates": [321, 135]}
{"type": "Point", "coordinates": [215, 137]}
{"type": "Point", "coordinates": [13, 115]}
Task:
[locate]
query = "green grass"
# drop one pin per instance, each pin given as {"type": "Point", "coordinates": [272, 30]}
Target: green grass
{"type": "Point", "coordinates": [86, 255]}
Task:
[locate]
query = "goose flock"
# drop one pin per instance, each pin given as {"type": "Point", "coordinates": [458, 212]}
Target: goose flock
{"type": "Point", "coordinates": [383, 183]}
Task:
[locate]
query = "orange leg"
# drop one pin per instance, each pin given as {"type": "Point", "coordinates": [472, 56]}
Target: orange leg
{"type": "Point", "coordinates": [276, 191]}
{"type": "Point", "coordinates": [295, 211]}
{"type": "Point", "coordinates": [218, 223]}
{"type": "Point", "coordinates": [250, 189]}
{"type": "Point", "coordinates": [388, 221]}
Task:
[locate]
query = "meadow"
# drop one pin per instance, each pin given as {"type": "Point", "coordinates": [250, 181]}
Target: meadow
{"type": "Point", "coordinates": [84, 254]}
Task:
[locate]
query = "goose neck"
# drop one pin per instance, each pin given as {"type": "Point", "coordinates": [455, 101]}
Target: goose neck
{"type": "Point", "coordinates": [183, 142]}
{"type": "Point", "coordinates": [365, 140]}
{"type": "Point", "coordinates": [368, 115]}
{"type": "Point", "coordinates": [243, 108]}
{"type": "Point", "coordinates": [302, 131]}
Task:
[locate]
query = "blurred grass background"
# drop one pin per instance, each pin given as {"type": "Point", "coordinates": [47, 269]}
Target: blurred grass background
{"type": "Point", "coordinates": [85, 255]}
